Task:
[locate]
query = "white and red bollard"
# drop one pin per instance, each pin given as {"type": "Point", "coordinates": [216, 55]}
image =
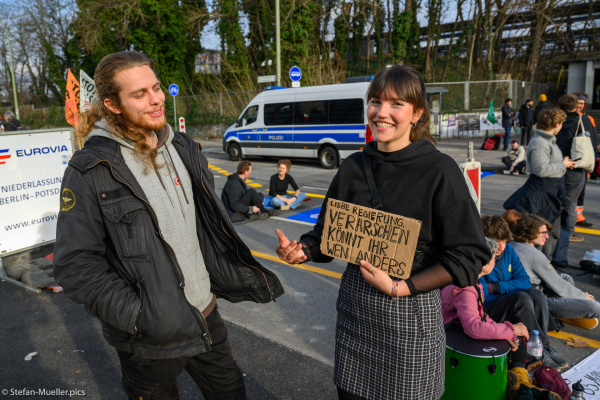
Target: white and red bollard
{"type": "Point", "coordinates": [182, 124]}
{"type": "Point", "coordinates": [472, 172]}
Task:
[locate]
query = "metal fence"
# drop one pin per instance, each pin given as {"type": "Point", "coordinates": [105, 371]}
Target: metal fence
{"type": "Point", "coordinates": [203, 112]}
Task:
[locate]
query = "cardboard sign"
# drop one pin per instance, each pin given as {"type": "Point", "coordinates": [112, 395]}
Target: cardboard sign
{"type": "Point", "coordinates": [88, 91]}
{"type": "Point", "coordinates": [387, 241]}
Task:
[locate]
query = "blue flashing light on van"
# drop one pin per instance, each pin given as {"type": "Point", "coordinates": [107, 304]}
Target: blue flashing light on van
{"type": "Point", "coordinates": [324, 122]}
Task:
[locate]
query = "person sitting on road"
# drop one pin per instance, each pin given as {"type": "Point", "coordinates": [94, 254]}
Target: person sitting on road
{"type": "Point", "coordinates": [565, 301]}
{"type": "Point", "coordinates": [465, 305]}
{"type": "Point", "coordinates": [514, 159]}
{"type": "Point", "coordinates": [242, 202]}
{"type": "Point", "coordinates": [508, 277]}
{"type": "Point", "coordinates": [279, 185]}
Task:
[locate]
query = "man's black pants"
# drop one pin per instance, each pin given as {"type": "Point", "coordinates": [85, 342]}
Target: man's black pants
{"type": "Point", "coordinates": [252, 198]}
{"type": "Point", "coordinates": [526, 306]}
{"type": "Point", "coordinates": [215, 372]}
{"type": "Point", "coordinates": [526, 134]}
{"type": "Point", "coordinates": [520, 166]}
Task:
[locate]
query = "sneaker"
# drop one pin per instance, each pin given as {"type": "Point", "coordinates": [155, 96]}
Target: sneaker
{"type": "Point", "coordinates": [284, 207]}
{"type": "Point", "coordinates": [590, 266]}
{"type": "Point", "coordinates": [511, 379]}
{"type": "Point", "coordinates": [585, 323]}
{"type": "Point", "coordinates": [506, 172]}
{"type": "Point", "coordinates": [584, 224]}
{"type": "Point", "coordinates": [516, 173]}
{"type": "Point", "coordinates": [258, 217]}
{"type": "Point", "coordinates": [272, 212]}
{"type": "Point", "coordinates": [555, 356]}
{"type": "Point", "coordinates": [522, 377]}
{"type": "Point", "coordinates": [576, 238]}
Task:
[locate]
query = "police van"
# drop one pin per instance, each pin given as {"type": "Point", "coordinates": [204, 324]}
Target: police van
{"type": "Point", "coordinates": [325, 122]}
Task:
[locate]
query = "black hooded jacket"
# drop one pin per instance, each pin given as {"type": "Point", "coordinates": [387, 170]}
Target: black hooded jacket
{"type": "Point", "coordinates": [110, 254]}
{"type": "Point", "coordinates": [418, 182]}
{"type": "Point", "coordinates": [12, 125]}
{"type": "Point", "coordinates": [544, 105]}
{"type": "Point", "coordinates": [232, 192]}
{"type": "Point", "coordinates": [524, 114]}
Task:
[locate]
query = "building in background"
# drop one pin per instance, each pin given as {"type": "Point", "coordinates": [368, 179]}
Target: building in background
{"type": "Point", "coordinates": [208, 62]}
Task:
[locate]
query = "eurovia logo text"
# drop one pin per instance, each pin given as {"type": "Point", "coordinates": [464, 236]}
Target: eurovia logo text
{"type": "Point", "coordinates": [41, 150]}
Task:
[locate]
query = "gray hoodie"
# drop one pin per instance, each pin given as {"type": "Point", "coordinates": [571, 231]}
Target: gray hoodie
{"type": "Point", "coordinates": [544, 158]}
{"type": "Point", "coordinates": [169, 192]}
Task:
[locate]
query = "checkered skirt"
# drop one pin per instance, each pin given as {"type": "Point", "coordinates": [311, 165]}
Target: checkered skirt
{"type": "Point", "coordinates": [388, 348]}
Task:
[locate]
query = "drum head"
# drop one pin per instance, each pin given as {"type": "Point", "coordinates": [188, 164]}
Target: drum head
{"type": "Point", "coordinates": [457, 340]}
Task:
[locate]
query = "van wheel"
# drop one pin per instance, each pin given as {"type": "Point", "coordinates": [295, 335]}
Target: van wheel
{"type": "Point", "coordinates": [328, 158]}
{"type": "Point", "coordinates": [235, 152]}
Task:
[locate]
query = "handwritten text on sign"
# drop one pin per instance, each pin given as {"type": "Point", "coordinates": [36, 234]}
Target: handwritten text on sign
{"type": "Point", "coordinates": [387, 241]}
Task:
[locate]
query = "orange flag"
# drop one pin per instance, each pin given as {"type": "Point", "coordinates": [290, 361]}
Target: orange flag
{"type": "Point", "coordinates": [72, 100]}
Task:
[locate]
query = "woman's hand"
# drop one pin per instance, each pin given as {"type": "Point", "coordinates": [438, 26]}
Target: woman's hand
{"type": "Point", "coordinates": [290, 252]}
{"type": "Point", "coordinates": [382, 281]}
{"type": "Point", "coordinates": [521, 330]}
{"type": "Point", "coordinates": [589, 296]}
{"type": "Point", "coordinates": [513, 345]}
{"type": "Point", "coordinates": [569, 163]}
{"type": "Point", "coordinates": [290, 200]}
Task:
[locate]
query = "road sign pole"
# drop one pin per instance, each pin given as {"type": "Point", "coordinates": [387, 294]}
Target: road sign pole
{"type": "Point", "coordinates": [174, 111]}
{"type": "Point", "coordinates": [278, 43]}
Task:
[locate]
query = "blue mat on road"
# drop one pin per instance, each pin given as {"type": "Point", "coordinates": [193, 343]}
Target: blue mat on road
{"type": "Point", "coordinates": [487, 173]}
{"type": "Point", "coordinates": [307, 216]}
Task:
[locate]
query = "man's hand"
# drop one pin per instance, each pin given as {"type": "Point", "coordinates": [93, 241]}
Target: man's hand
{"type": "Point", "coordinates": [521, 330]}
{"type": "Point", "coordinates": [255, 209]}
{"type": "Point", "coordinates": [290, 252]}
{"type": "Point", "coordinates": [511, 169]}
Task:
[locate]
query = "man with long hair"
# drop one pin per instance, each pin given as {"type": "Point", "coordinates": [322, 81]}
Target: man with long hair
{"type": "Point", "coordinates": [144, 242]}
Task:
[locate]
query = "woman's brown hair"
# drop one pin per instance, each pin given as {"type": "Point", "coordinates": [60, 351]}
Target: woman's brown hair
{"type": "Point", "coordinates": [495, 227]}
{"type": "Point", "coordinates": [108, 88]}
{"type": "Point", "coordinates": [527, 229]}
{"type": "Point", "coordinates": [512, 217]}
{"type": "Point", "coordinates": [405, 84]}
{"type": "Point", "coordinates": [287, 163]}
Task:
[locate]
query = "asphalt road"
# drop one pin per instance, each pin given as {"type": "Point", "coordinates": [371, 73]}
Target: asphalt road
{"type": "Point", "coordinates": [285, 348]}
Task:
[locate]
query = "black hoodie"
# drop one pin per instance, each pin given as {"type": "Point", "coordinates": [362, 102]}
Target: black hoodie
{"type": "Point", "coordinates": [233, 191]}
{"type": "Point", "coordinates": [12, 125]}
{"type": "Point", "coordinates": [417, 182]}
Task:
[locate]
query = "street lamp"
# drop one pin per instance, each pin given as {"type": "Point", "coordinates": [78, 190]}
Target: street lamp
{"type": "Point", "coordinates": [12, 71]}
{"type": "Point", "coordinates": [277, 42]}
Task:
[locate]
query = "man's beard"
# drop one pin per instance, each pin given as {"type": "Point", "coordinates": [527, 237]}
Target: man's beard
{"type": "Point", "coordinates": [137, 121]}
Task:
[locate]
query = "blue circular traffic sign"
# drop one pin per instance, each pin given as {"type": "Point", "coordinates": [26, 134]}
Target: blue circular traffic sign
{"type": "Point", "coordinates": [173, 89]}
{"type": "Point", "coordinates": [295, 74]}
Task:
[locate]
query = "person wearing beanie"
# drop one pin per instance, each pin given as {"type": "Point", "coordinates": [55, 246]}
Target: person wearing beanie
{"type": "Point", "coordinates": [544, 104]}
{"type": "Point", "coordinates": [590, 126]}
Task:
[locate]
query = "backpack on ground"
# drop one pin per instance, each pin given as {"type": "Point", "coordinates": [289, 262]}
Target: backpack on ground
{"type": "Point", "coordinates": [491, 143]}
{"type": "Point", "coordinates": [548, 378]}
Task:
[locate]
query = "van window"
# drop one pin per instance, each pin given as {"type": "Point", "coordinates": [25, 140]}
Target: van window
{"type": "Point", "coordinates": [279, 114]}
{"type": "Point", "coordinates": [310, 113]}
{"type": "Point", "coordinates": [251, 115]}
{"type": "Point", "coordinates": [349, 111]}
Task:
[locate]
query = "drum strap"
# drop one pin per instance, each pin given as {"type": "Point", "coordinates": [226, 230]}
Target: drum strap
{"type": "Point", "coordinates": [479, 297]}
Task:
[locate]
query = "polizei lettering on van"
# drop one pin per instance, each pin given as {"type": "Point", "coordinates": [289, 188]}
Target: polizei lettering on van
{"type": "Point", "coordinates": [41, 150]}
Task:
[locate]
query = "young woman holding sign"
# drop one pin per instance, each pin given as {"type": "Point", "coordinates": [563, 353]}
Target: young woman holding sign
{"type": "Point", "coordinates": [390, 339]}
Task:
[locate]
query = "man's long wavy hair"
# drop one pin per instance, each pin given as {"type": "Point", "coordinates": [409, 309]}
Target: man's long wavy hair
{"type": "Point", "coordinates": [108, 88]}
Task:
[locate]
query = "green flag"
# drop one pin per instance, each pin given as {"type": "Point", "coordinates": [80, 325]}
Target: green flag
{"type": "Point", "coordinates": [491, 117]}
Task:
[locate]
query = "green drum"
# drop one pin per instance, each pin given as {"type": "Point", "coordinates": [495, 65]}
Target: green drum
{"type": "Point", "coordinates": [475, 369]}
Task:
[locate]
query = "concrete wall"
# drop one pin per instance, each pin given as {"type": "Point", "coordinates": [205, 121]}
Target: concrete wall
{"type": "Point", "coordinates": [577, 75]}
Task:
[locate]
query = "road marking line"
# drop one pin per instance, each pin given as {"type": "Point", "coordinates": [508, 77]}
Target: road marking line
{"type": "Point", "coordinates": [565, 335]}
{"type": "Point", "coordinates": [318, 196]}
{"type": "Point", "coordinates": [585, 230]}
{"type": "Point", "coordinates": [293, 220]}
{"type": "Point", "coordinates": [315, 188]}
{"type": "Point", "coordinates": [301, 266]}
{"type": "Point", "coordinates": [255, 185]}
